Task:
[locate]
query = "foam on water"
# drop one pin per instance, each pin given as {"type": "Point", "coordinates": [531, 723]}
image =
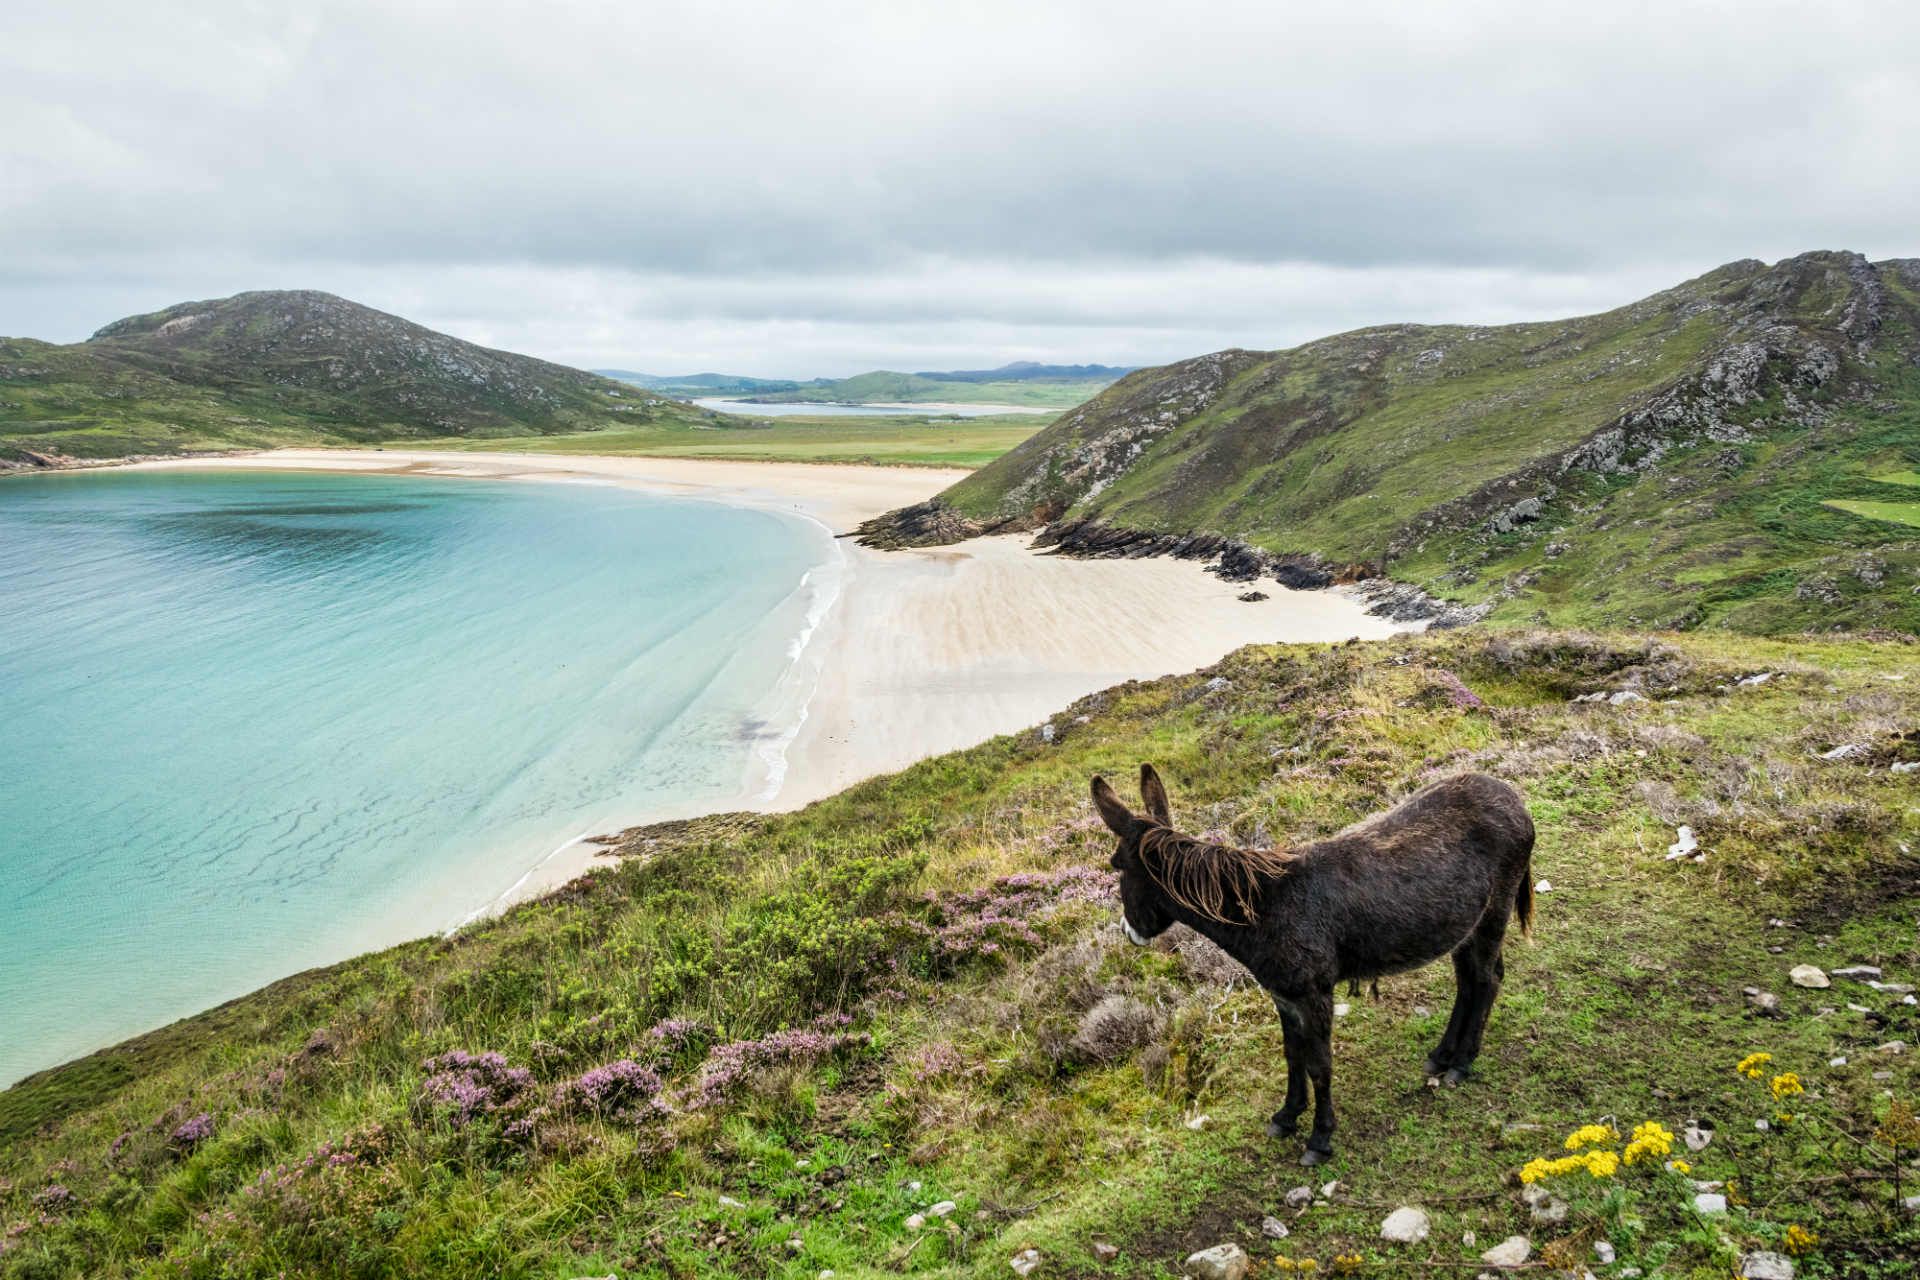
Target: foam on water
{"type": "Point", "coordinates": [253, 722]}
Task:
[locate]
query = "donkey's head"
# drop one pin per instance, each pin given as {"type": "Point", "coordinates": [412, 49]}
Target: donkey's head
{"type": "Point", "coordinates": [1142, 904]}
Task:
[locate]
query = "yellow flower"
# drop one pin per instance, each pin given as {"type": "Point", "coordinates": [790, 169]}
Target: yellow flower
{"type": "Point", "coordinates": [1307, 1264]}
{"type": "Point", "coordinates": [1786, 1086]}
{"type": "Point", "coordinates": [1283, 1264]}
{"type": "Point", "coordinates": [1799, 1239]}
{"type": "Point", "coordinates": [1750, 1065]}
{"type": "Point", "coordinates": [1590, 1135]}
{"type": "Point", "coordinates": [1679, 1166]}
{"type": "Point", "coordinates": [1650, 1138]}
{"type": "Point", "coordinates": [1602, 1164]}
{"type": "Point", "coordinates": [1350, 1262]}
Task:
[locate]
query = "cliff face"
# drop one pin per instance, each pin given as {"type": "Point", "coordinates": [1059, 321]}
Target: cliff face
{"type": "Point", "coordinates": [1511, 466]}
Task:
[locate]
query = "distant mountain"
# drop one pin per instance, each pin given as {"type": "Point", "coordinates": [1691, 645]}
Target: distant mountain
{"type": "Point", "coordinates": [1737, 451]}
{"type": "Point", "coordinates": [700, 384]}
{"type": "Point", "coordinates": [275, 368]}
{"type": "Point", "coordinates": [1029, 371]}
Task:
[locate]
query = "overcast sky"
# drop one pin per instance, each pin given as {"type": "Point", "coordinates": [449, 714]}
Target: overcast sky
{"type": "Point", "coordinates": [796, 188]}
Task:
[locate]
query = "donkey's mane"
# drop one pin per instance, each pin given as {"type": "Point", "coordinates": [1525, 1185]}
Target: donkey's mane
{"type": "Point", "coordinates": [1206, 877]}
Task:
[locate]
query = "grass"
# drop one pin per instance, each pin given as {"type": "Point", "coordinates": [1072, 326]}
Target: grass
{"type": "Point", "coordinates": [1907, 513]}
{"type": "Point", "coordinates": [907, 440]}
{"type": "Point", "coordinates": [960, 1057]}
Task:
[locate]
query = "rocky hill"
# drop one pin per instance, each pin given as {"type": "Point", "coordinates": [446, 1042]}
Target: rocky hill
{"type": "Point", "coordinates": [287, 367]}
{"type": "Point", "coordinates": [1738, 451]}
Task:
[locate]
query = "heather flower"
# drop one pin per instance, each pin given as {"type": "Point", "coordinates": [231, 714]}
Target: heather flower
{"type": "Point", "coordinates": [1455, 692]}
{"type": "Point", "coordinates": [729, 1064]}
{"type": "Point", "coordinates": [191, 1133]}
{"type": "Point", "coordinates": [625, 1089]}
{"type": "Point", "coordinates": [674, 1034]}
{"type": "Point", "coordinates": [54, 1198]}
{"type": "Point", "coordinates": [465, 1086]}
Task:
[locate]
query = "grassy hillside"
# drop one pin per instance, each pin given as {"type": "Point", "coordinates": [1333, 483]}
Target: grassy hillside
{"type": "Point", "coordinates": [886, 387]}
{"type": "Point", "coordinates": [1715, 455]}
{"type": "Point", "coordinates": [771, 1045]}
{"type": "Point", "coordinates": [263, 369]}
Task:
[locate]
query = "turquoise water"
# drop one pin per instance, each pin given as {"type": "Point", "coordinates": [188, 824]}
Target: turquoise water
{"type": "Point", "coordinates": [254, 722]}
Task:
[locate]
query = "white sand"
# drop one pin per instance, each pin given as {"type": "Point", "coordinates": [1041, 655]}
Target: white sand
{"type": "Point", "coordinates": [924, 651]}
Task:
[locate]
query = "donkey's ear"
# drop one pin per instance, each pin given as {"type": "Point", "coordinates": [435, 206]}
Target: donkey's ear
{"type": "Point", "coordinates": [1153, 793]}
{"type": "Point", "coordinates": [1117, 816]}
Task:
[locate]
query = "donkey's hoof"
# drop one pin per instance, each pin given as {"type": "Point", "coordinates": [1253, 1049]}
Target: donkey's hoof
{"type": "Point", "coordinates": [1454, 1076]}
{"type": "Point", "coordinates": [1282, 1125]}
{"type": "Point", "coordinates": [1433, 1066]}
{"type": "Point", "coordinates": [1313, 1156]}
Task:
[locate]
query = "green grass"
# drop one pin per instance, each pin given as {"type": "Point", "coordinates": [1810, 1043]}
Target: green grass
{"type": "Point", "coordinates": [883, 387]}
{"type": "Point", "coordinates": [1899, 477]}
{"type": "Point", "coordinates": [1907, 513]}
{"type": "Point", "coordinates": [907, 440]}
{"type": "Point", "coordinates": [977, 1077]}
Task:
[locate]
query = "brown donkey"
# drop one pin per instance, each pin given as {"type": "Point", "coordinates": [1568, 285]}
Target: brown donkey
{"type": "Point", "coordinates": [1438, 874]}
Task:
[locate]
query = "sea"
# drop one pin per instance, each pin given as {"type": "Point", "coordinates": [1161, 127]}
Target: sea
{"type": "Point", "coordinates": [253, 722]}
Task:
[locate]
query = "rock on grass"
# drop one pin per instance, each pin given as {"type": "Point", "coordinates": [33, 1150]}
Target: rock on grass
{"type": "Point", "coordinates": [1405, 1225]}
{"type": "Point", "coordinates": [1222, 1262]}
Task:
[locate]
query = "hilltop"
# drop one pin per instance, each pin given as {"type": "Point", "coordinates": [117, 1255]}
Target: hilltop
{"type": "Point", "coordinates": [275, 368]}
{"type": "Point", "coordinates": [900, 1031]}
{"type": "Point", "coordinates": [1738, 451]}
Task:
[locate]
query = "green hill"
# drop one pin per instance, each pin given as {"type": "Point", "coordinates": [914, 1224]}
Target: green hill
{"type": "Point", "coordinates": [779, 1045]}
{"type": "Point", "coordinates": [277, 368]}
{"type": "Point", "coordinates": [1036, 386]}
{"type": "Point", "coordinates": [1713, 455]}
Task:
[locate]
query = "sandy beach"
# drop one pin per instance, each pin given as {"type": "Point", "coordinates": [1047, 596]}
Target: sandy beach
{"type": "Point", "coordinates": [922, 651]}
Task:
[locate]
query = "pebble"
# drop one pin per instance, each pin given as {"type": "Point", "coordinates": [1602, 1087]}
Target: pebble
{"type": "Point", "coordinates": [825, 1275]}
{"type": "Point", "coordinates": [1765, 1003]}
{"type": "Point", "coordinates": [1861, 971]}
{"type": "Point", "coordinates": [915, 1221]}
{"type": "Point", "coordinates": [1891, 1046]}
{"type": "Point", "coordinates": [1766, 1265]}
{"type": "Point", "coordinates": [1685, 846]}
{"type": "Point", "coordinates": [1697, 1137]}
{"type": "Point", "coordinates": [1550, 1210]}
{"type": "Point", "coordinates": [1025, 1262]}
{"type": "Point", "coordinates": [1272, 1228]}
{"type": "Point", "coordinates": [730, 1203]}
{"type": "Point", "coordinates": [1342, 1010]}
{"type": "Point", "coordinates": [1911, 1204]}
{"type": "Point", "coordinates": [1222, 1262]}
{"type": "Point", "coordinates": [1883, 1075]}
{"type": "Point", "coordinates": [1603, 1252]}
{"type": "Point", "coordinates": [1328, 1188]}
{"type": "Point", "coordinates": [1807, 975]}
{"type": "Point", "coordinates": [1836, 1062]}
{"type": "Point", "coordinates": [1510, 1252]}
{"type": "Point", "coordinates": [1892, 988]}
{"type": "Point", "coordinates": [1710, 1202]}
{"type": "Point", "coordinates": [942, 1209]}
{"type": "Point", "coordinates": [1405, 1225]}
{"type": "Point", "coordinates": [1468, 1239]}
{"type": "Point", "coordinates": [1199, 1122]}
{"type": "Point", "coordinates": [1421, 1011]}
{"type": "Point", "coordinates": [1299, 1197]}
{"type": "Point", "coordinates": [1545, 886]}
{"type": "Point", "coordinates": [795, 1243]}
{"type": "Point", "coordinates": [913, 1187]}
{"type": "Point", "coordinates": [1104, 1252]}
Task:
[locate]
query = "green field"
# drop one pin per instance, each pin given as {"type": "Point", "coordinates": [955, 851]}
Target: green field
{"type": "Point", "coordinates": [1907, 513]}
{"type": "Point", "coordinates": [917, 992]}
{"type": "Point", "coordinates": [907, 440]}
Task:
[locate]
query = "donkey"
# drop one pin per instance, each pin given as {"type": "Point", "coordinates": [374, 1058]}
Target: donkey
{"type": "Point", "coordinates": [1438, 874]}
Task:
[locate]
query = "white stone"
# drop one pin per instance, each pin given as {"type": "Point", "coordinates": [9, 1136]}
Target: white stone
{"type": "Point", "coordinates": [1025, 1262]}
{"type": "Point", "coordinates": [1299, 1197]}
{"type": "Point", "coordinates": [1861, 971]}
{"type": "Point", "coordinates": [1836, 1062]}
{"type": "Point", "coordinates": [1892, 1046]}
{"type": "Point", "coordinates": [1199, 1122]}
{"type": "Point", "coordinates": [1710, 1202]}
{"type": "Point", "coordinates": [1272, 1228]}
{"type": "Point", "coordinates": [1807, 975]}
{"type": "Point", "coordinates": [826, 1274]}
{"type": "Point", "coordinates": [730, 1203]}
{"type": "Point", "coordinates": [1603, 1252]}
{"type": "Point", "coordinates": [1697, 1138]}
{"type": "Point", "coordinates": [1342, 1010]}
{"type": "Point", "coordinates": [1405, 1225]}
{"type": "Point", "coordinates": [1469, 1239]}
{"type": "Point", "coordinates": [1328, 1188]}
{"type": "Point", "coordinates": [942, 1209]}
{"type": "Point", "coordinates": [1545, 886]}
{"type": "Point", "coordinates": [915, 1221]}
{"type": "Point", "coordinates": [1510, 1252]}
{"type": "Point", "coordinates": [1222, 1262]}
{"type": "Point", "coordinates": [1766, 1265]}
{"type": "Point", "coordinates": [1550, 1210]}
{"type": "Point", "coordinates": [1685, 846]}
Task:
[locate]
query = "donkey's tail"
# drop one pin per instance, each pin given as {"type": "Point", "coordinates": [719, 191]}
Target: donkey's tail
{"type": "Point", "coordinates": [1523, 900]}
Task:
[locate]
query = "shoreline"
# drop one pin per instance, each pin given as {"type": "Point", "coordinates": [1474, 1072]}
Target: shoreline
{"type": "Point", "coordinates": [917, 652]}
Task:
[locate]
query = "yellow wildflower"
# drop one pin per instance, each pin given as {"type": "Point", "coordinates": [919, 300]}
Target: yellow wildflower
{"type": "Point", "coordinates": [1799, 1239]}
{"type": "Point", "coordinates": [1650, 1138]}
{"type": "Point", "coordinates": [1679, 1166]}
{"type": "Point", "coordinates": [1602, 1164]}
{"type": "Point", "coordinates": [1590, 1135]}
{"type": "Point", "coordinates": [1750, 1065]}
{"type": "Point", "coordinates": [1786, 1085]}
{"type": "Point", "coordinates": [1307, 1264]}
{"type": "Point", "coordinates": [1283, 1264]}
{"type": "Point", "coordinates": [1347, 1262]}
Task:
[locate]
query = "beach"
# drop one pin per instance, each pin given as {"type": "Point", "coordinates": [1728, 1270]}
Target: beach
{"type": "Point", "coordinates": [920, 651]}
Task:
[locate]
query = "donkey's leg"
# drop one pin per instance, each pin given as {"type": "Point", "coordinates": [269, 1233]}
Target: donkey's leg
{"type": "Point", "coordinates": [1294, 1038]}
{"type": "Point", "coordinates": [1316, 1017]}
{"type": "Point", "coordinates": [1466, 985]}
{"type": "Point", "coordinates": [1491, 970]}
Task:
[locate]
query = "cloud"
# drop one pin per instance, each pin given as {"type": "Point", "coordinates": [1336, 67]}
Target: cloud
{"type": "Point", "coordinates": [763, 185]}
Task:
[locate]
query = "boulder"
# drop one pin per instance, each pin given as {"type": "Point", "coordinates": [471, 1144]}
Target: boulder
{"type": "Point", "coordinates": [1808, 975]}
